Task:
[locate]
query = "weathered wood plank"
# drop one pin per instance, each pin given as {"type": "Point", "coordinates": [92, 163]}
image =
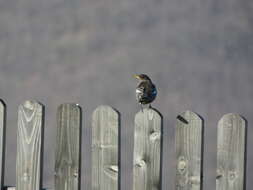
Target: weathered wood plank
{"type": "Point", "coordinates": [68, 146]}
{"type": "Point", "coordinates": [189, 148]}
{"type": "Point", "coordinates": [13, 188]}
{"type": "Point", "coordinates": [10, 188]}
{"type": "Point", "coordinates": [231, 153]}
{"type": "Point", "coordinates": [147, 150]}
{"type": "Point", "coordinates": [29, 146]}
{"type": "Point", "coordinates": [2, 141]}
{"type": "Point", "coordinates": [105, 149]}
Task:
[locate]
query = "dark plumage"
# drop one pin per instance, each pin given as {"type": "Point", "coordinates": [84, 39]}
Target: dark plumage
{"type": "Point", "coordinates": [146, 91]}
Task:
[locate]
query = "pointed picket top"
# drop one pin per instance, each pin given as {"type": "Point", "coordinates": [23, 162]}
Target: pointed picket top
{"type": "Point", "coordinates": [147, 150]}
{"type": "Point", "coordinates": [105, 148]}
{"type": "Point", "coordinates": [188, 117]}
{"type": "Point", "coordinates": [68, 146]}
{"type": "Point", "coordinates": [232, 120]}
{"type": "Point", "coordinates": [2, 141]}
{"type": "Point", "coordinates": [189, 149]}
{"type": "Point", "coordinates": [231, 152]}
{"type": "Point", "coordinates": [29, 146]}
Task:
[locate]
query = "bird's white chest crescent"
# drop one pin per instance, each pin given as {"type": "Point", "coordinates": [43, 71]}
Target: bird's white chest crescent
{"type": "Point", "coordinates": [138, 91]}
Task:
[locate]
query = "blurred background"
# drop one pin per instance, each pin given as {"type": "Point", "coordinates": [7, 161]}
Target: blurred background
{"type": "Point", "coordinates": [198, 52]}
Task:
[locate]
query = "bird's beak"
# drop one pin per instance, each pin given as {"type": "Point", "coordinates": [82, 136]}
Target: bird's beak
{"type": "Point", "coordinates": [136, 76]}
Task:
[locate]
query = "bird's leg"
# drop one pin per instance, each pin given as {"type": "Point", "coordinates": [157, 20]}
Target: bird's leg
{"type": "Point", "coordinates": [141, 107]}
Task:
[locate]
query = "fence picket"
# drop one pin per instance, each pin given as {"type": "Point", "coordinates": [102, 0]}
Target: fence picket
{"type": "Point", "coordinates": [189, 150]}
{"type": "Point", "coordinates": [2, 141]}
{"type": "Point", "coordinates": [231, 153]}
{"type": "Point", "coordinates": [147, 150]}
{"type": "Point", "coordinates": [68, 144]}
{"type": "Point", "coordinates": [105, 149]}
{"type": "Point", "coordinates": [29, 146]}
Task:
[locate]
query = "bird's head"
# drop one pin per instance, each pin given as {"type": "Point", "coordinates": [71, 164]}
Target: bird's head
{"type": "Point", "coordinates": [142, 77]}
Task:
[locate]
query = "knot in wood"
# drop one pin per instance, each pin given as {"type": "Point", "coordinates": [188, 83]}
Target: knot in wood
{"type": "Point", "coordinates": [195, 180]}
{"type": "Point", "coordinates": [58, 173]}
{"type": "Point", "coordinates": [75, 174]}
{"type": "Point", "coordinates": [114, 168]}
{"type": "Point", "coordinates": [232, 175]}
{"type": "Point", "coordinates": [141, 163]}
{"type": "Point", "coordinates": [111, 171]}
{"type": "Point", "coordinates": [154, 136]}
{"type": "Point", "coordinates": [219, 173]}
{"type": "Point", "coordinates": [182, 165]}
{"type": "Point", "coordinates": [26, 176]}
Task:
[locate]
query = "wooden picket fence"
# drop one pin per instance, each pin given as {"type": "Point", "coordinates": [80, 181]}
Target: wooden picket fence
{"type": "Point", "coordinates": [147, 167]}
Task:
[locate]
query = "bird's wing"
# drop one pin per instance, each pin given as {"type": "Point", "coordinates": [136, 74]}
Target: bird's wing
{"type": "Point", "coordinates": [154, 91]}
{"type": "Point", "coordinates": [150, 90]}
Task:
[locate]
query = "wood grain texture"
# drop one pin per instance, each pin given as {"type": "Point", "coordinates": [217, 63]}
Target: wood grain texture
{"type": "Point", "coordinates": [105, 148]}
{"type": "Point", "coordinates": [68, 144]}
{"type": "Point", "coordinates": [231, 153]}
{"type": "Point", "coordinates": [29, 146]}
{"type": "Point", "coordinates": [13, 188]}
{"type": "Point", "coordinates": [147, 150]}
{"type": "Point", "coordinates": [189, 147]}
{"type": "Point", "coordinates": [2, 141]}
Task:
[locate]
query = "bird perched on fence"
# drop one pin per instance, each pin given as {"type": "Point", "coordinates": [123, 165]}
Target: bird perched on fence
{"type": "Point", "coordinates": [146, 91]}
